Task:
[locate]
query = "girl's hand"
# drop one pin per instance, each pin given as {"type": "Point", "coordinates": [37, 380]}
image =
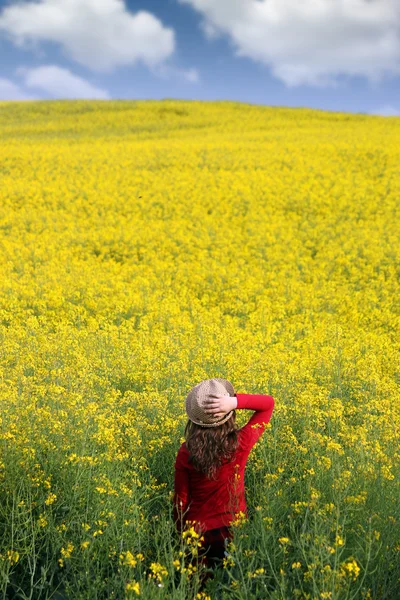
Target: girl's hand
{"type": "Point", "coordinates": [219, 406]}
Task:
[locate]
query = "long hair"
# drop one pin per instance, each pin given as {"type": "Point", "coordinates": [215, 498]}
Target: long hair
{"type": "Point", "coordinates": [208, 447]}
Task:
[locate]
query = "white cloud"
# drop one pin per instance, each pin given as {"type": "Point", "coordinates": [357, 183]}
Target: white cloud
{"type": "Point", "coordinates": [167, 71]}
{"type": "Point", "coordinates": [386, 111]}
{"type": "Point", "coordinates": [192, 75]}
{"type": "Point", "coordinates": [98, 34]}
{"type": "Point", "coordinates": [10, 91]}
{"type": "Point", "coordinates": [60, 83]}
{"type": "Point", "coordinates": [311, 42]}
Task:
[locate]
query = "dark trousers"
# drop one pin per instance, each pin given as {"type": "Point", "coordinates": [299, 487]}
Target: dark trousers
{"type": "Point", "coordinates": [213, 548]}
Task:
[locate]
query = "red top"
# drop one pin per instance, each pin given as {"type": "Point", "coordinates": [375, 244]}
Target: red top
{"type": "Point", "coordinates": [211, 504]}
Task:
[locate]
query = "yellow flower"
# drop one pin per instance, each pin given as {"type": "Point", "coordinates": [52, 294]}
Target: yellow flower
{"type": "Point", "coordinates": [158, 571]}
{"type": "Point", "coordinates": [339, 541]}
{"type": "Point", "coordinates": [228, 561]}
{"type": "Point", "coordinates": [268, 521]}
{"type": "Point", "coordinates": [42, 521]}
{"type": "Point", "coordinates": [133, 586]}
{"type": "Point", "coordinates": [127, 559]}
{"type": "Point", "coordinates": [190, 533]}
{"type": "Point", "coordinates": [66, 552]}
{"type": "Point", "coordinates": [51, 498]}
{"type": "Point", "coordinates": [190, 569]}
{"type": "Point", "coordinates": [284, 540]}
{"type": "Point", "coordinates": [387, 473]}
{"type": "Point", "coordinates": [256, 573]}
{"type": "Point", "coordinates": [326, 462]}
{"type": "Point", "coordinates": [12, 556]}
{"type": "Point", "coordinates": [350, 568]}
{"type": "Point", "coordinates": [239, 520]}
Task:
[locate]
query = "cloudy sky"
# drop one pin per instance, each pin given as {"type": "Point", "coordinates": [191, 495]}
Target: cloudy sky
{"type": "Point", "coordinates": [330, 54]}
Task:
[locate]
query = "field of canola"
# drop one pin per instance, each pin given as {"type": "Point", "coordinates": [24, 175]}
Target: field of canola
{"type": "Point", "coordinates": [148, 245]}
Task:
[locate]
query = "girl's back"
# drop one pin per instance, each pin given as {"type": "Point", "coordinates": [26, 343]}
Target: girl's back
{"type": "Point", "coordinates": [211, 502]}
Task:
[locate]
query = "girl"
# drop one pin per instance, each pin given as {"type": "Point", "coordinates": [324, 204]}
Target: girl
{"type": "Point", "coordinates": [209, 468]}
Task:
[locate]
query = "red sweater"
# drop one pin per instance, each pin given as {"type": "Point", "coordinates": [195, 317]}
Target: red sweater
{"type": "Point", "coordinates": [210, 504]}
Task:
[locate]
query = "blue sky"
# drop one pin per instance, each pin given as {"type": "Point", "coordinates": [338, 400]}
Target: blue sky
{"type": "Point", "coordinates": [341, 55]}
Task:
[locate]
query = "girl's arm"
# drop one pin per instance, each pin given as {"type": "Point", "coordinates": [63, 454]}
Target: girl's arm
{"type": "Point", "coordinates": [263, 406]}
{"type": "Point", "coordinates": [181, 492]}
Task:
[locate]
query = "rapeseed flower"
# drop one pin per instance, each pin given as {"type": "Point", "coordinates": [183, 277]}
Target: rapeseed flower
{"type": "Point", "coordinates": [143, 245]}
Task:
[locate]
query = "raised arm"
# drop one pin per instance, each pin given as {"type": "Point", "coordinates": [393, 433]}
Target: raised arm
{"type": "Point", "coordinates": [255, 427]}
{"type": "Point", "coordinates": [262, 404]}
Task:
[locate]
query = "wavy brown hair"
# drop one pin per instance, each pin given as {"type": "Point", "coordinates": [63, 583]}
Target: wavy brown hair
{"type": "Point", "coordinates": [208, 447]}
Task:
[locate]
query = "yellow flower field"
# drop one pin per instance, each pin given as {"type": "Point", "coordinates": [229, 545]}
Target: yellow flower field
{"type": "Point", "coordinates": [148, 245]}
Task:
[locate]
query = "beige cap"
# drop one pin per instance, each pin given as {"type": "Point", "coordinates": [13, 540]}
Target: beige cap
{"type": "Point", "coordinates": [202, 391]}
